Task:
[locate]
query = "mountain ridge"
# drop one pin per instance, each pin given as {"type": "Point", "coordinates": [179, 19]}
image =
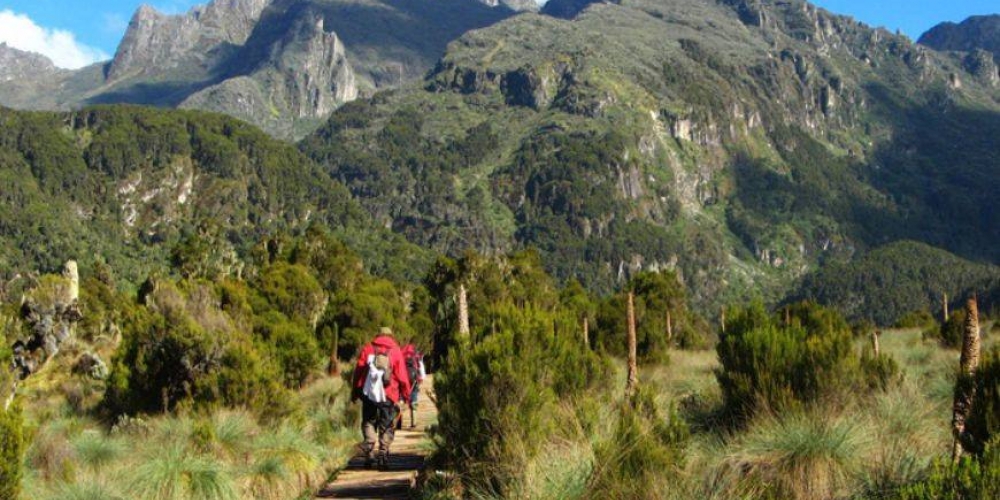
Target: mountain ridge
{"type": "Point", "coordinates": [240, 57]}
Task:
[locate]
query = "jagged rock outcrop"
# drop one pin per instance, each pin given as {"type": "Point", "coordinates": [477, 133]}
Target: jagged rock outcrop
{"type": "Point", "coordinates": [307, 76]}
{"type": "Point", "coordinates": [51, 315]}
{"type": "Point", "coordinates": [155, 42]}
{"type": "Point", "coordinates": [283, 65]}
{"type": "Point", "coordinates": [976, 32]}
{"type": "Point", "coordinates": [91, 365]}
{"type": "Point", "coordinates": [18, 65]}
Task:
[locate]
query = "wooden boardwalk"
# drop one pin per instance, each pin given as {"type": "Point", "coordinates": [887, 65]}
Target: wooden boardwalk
{"type": "Point", "coordinates": [409, 451]}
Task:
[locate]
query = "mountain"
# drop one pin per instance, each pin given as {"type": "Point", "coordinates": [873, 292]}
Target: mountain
{"type": "Point", "coordinates": [899, 278]}
{"type": "Point", "coordinates": [128, 185]}
{"type": "Point", "coordinates": [744, 143]}
{"type": "Point", "coordinates": [976, 32]}
{"type": "Point", "coordinates": [283, 65]}
{"type": "Point", "coordinates": [979, 36]}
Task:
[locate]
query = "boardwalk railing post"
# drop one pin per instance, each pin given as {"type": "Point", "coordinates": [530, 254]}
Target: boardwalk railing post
{"type": "Point", "coordinates": [968, 364]}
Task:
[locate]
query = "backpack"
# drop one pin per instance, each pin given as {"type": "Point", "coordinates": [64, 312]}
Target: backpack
{"type": "Point", "coordinates": [413, 366]}
{"type": "Point", "coordinates": [384, 364]}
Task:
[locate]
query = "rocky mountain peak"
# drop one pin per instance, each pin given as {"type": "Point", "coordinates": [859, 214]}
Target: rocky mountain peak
{"type": "Point", "coordinates": [17, 64]}
{"type": "Point", "coordinates": [155, 40]}
{"type": "Point", "coordinates": [976, 32]}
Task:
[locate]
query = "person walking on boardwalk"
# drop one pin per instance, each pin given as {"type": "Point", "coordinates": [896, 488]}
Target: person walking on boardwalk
{"type": "Point", "coordinates": [417, 373]}
{"type": "Point", "coordinates": [381, 382]}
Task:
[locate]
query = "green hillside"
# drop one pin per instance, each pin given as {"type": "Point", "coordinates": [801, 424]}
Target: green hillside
{"type": "Point", "coordinates": [126, 185]}
{"type": "Point", "coordinates": [741, 143]}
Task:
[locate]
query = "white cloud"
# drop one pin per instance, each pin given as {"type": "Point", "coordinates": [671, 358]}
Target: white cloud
{"type": "Point", "coordinates": [20, 32]}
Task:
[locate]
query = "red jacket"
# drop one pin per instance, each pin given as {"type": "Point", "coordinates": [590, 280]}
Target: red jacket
{"type": "Point", "coordinates": [400, 383]}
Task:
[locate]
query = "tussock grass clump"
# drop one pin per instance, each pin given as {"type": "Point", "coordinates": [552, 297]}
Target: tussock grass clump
{"type": "Point", "coordinates": [644, 455]}
{"type": "Point", "coordinates": [174, 473]}
{"type": "Point", "coordinates": [95, 450]}
{"type": "Point", "coordinates": [800, 455]}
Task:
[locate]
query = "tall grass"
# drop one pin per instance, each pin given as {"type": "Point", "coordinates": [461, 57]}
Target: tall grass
{"type": "Point", "coordinates": [175, 473]}
{"type": "Point", "coordinates": [227, 454]}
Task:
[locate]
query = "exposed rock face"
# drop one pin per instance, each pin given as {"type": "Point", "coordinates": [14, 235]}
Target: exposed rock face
{"type": "Point", "coordinates": [307, 74]}
{"type": "Point", "coordinates": [156, 41]}
{"type": "Point", "coordinates": [283, 65]}
{"type": "Point", "coordinates": [976, 32]}
{"type": "Point", "coordinates": [51, 318]}
{"type": "Point", "coordinates": [20, 65]}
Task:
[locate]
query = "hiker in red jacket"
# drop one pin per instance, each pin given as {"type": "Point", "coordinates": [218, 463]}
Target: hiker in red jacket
{"type": "Point", "coordinates": [382, 383]}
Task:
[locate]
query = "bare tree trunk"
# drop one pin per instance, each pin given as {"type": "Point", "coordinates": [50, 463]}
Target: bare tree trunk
{"type": "Point", "coordinates": [463, 313]}
{"type": "Point", "coordinates": [633, 364]}
{"type": "Point", "coordinates": [944, 305]}
{"type": "Point", "coordinates": [670, 329]}
{"type": "Point", "coordinates": [586, 332]}
{"type": "Point", "coordinates": [722, 319]}
{"type": "Point", "coordinates": [875, 346]}
{"type": "Point", "coordinates": [334, 359]}
{"type": "Point", "coordinates": [967, 366]}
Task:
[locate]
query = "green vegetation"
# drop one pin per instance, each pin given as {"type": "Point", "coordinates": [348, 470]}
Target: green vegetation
{"type": "Point", "coordinates": [12, 445]}
{"type": "Point", "coordinates": [143, 190]}
{"type": "Point", "coordinates": [901, 278]}
{"type": "Point", "coordinates": [773, 364]}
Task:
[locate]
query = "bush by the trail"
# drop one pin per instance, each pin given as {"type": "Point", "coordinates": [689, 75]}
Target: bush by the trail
{"type": "Point", "coordinates": [498, 398]}
{"type": "Point", "coordinates": [180, 347]}
{"type": "Point", "coordinates": [12, 447]}
{"type": "Point", "coordinates": [972, 478]}
{"type": "Point", "coordinates": [983, 424]}
{"type": "Point", "coordinates": [292, 344]}
{"type": "Point", "coordinates": [766, 362]}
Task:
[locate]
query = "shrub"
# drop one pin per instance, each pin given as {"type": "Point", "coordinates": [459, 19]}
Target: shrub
{"type": "Point", "coordinates": [293, 345]}
{"type": "Point", "coordinates": [774, 365]}
{"type": "Point", "coordinates": [497, 398]}
{"type": "Point", "coordinates": [655, 295]}
{"type": "Point", "coordinates": [12, 447]}
{"type": "Point", "coordinates": [920, 318]}
{"type": "Point", "coordinates": [972, 478]}
{"type": "Point", "coordinates": [951, 332]}
{"type": "Point", "coordinates": [183, 349]}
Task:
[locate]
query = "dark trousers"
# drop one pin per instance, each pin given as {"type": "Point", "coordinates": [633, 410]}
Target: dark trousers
{"type": "Point", "coordinates": [377, 424]}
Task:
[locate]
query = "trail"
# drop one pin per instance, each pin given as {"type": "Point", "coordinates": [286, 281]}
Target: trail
{"type": "Point", "coordinates": [409, 450]}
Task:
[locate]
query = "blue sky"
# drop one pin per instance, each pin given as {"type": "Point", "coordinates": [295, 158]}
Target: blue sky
{"type": "Point", "coordinates": [74, 32]}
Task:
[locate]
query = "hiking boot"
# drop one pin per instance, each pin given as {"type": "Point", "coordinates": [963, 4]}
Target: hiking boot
{"type": "Point", "coordinates": [383, 460]}
{"type": "Point", "coordinates": [369, 461]}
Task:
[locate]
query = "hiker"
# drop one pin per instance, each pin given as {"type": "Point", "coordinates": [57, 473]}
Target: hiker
{"type": "Point", "coordinates": [381, 382]}
{"type": "Point", "coordinates": [417, 372]}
